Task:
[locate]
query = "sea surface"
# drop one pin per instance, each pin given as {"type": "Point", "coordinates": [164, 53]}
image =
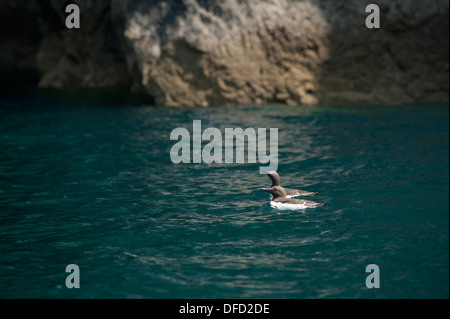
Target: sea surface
{"type": "Point", "coordinates": [89, 181]}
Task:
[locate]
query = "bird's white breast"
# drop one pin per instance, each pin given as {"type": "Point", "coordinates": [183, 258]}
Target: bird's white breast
{"type": "Point", "coordinates": [285, 206]}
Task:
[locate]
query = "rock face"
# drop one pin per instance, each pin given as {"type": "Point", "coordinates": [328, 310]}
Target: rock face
{"type": "Point", "coordinates": [211, 52]}
{"type": "Point", "coordinates": [229, 52]}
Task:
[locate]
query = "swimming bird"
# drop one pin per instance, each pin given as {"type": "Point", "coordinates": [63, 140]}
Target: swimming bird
{"type": "Point", "coordinates": [289, 191]}
{"type": "Point", "coordinates": [280, 200]}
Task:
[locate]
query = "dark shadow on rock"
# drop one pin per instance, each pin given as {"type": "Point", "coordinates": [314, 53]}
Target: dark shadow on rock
{"type": "Point", "coordinates": [404, 61]}
{"type": "Point", "coordinates": [20, 37]}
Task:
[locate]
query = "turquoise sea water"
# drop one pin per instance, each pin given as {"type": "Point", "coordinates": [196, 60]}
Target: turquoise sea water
{"type": "Point", "coordinates": [92, 184]}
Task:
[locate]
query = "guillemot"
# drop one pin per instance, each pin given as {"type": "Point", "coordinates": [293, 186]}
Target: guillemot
{"type": "Point", "coordinates": [290, 192]}
{"type": "Point", "coordinates": [281, 202]}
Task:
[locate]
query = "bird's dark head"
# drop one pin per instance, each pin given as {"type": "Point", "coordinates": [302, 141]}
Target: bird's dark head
{"type": "Point", "coordinates": [276, 191]}
{"type": "Point", "coordinates": [274, 177]}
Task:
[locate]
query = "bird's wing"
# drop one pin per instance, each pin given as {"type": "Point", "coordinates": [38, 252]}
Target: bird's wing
{"type": "Point", "coordinates": [297, 201]}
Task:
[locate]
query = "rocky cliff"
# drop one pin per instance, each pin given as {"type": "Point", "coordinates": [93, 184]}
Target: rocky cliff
{"type": "Point", "coordinates": [211, 52]}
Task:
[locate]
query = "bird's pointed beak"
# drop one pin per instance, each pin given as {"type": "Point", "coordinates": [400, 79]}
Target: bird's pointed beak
{"type": "Point", "coordinates": [265, 189]}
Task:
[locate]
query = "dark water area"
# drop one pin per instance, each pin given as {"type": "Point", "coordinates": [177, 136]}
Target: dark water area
{"type": "Point", "coordinates": [90, 182]}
